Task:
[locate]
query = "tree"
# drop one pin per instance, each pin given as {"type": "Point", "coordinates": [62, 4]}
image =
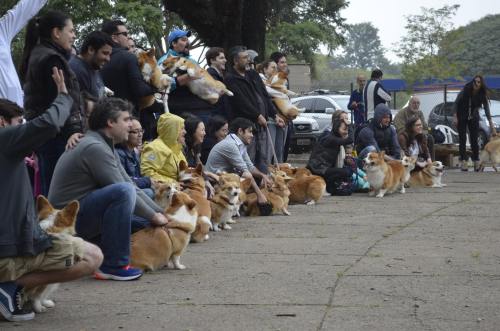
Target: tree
{"type": "Point", "coordinates": [474, 47]}
{"type": "Point", "coordinates": [419, 48]}
{"type": "Point", "coordinates": [226, 23]}
{"type": "Point", "coordinates": [363, 48]}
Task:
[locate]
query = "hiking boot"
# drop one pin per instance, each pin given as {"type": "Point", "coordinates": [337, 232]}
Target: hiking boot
{"type": "Point", "coordinates": [118, 273]}
{"type": "Point", "coordinates": [11, 303]}
{"type": "Point", "coordinates": [464, 166]}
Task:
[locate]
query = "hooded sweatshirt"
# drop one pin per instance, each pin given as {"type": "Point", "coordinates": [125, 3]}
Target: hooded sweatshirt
{"type": "Point", "coordinates": [383, 138]}
{"type": "Point", "coordinates": [160, 158]}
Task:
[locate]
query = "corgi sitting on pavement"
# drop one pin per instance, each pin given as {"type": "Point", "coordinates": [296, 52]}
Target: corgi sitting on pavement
{"type": "Point", "coordinates": [384, 177]}
{"type": "Point", "coordinates": [154, 247]}
{"type": "Point", "coordinates": [57, 223]}
{"type": "Point", "coordinates": [277, 195]}
{"type": "Point", "coordinates": [224, 204]}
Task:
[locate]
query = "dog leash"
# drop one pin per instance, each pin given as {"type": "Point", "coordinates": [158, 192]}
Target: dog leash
{"type": "Point", "coordinates": [272, 145]}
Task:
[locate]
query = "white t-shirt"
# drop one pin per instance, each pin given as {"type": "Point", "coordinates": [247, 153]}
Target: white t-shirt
{"type": "Point", "coordinates": [10, 24]}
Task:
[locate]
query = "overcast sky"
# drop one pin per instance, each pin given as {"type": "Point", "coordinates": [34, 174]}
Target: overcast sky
{"type": "Point", "coordinates": [388, 16]}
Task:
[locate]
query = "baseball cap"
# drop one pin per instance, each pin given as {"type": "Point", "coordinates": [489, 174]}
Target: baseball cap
{"type": "Point", "coordinates": [176, 34]}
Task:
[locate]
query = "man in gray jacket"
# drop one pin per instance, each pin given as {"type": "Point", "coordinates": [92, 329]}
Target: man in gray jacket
{"type": "Point", "coordinates": [110, 203]}
{"type": "Point", "coordinates": [29, 257]}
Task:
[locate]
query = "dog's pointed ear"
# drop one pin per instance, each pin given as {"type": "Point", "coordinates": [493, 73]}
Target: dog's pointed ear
{"type": "Point", "coordinates": [152, 52]}
{"type": "Point", "coordinates": [67, 217]}
{"type": "Point", "coordinates": [71, 209]}
{"type": "Point", "coordinates": [43, 205]}
{"type": "Point", "coordinates": [199, 169]}
{"type": "Point", "coordinates": [382, 154]}
{"type": "Point", "coordinates": [183, 165]}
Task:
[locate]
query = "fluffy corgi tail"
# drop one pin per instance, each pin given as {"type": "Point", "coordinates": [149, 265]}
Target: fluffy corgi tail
{"type": "Point", "coordinates": [227, 92]}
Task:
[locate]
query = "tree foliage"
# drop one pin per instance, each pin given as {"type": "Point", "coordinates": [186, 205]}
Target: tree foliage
{"type": "Point", "coordinates": [474, 48]}
{"type": "Point", "coordinates": [362, 48]}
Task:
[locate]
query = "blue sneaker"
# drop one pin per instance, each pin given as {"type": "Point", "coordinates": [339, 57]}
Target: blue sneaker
{"type": "Point", "coordinates": [118, 273]}
{"type": "Point", "coordinates": [11, 303]}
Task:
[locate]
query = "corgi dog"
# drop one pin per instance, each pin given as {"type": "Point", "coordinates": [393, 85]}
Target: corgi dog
{"type": "Point", "coordinates": [205, 86]}
{"type": "Point", "coordinates": [384, 177]}
{"type": "Point", "coordinates": [277, 195]}
{"type": "Point", "coordinates": [154, 247]}
{"type": "Point", "coordinates": [164, 193]}
{"type": "Point", "coordinates": [57, 223]}
{"type": "Point", "coordinates": [224, 204]}
{"type": "Point", "coordinates": [245, 184]}
{"type": "Point", "coordinates": [305, 188]}
{"type": "Point", "coordinates": [194, 186]}
{"type": "Point", "coordinates": [409, 164]}
{"type": "Point", "coordinates": [294, 171]}
{"type": "Point", "coordinates": [281, 96]}
{"type": "Point", "coordinates": [490, 154]}
{"type": "Point", "coordinates": [151, 73]}
{"type": "Point", "coordinates": [430, 176]}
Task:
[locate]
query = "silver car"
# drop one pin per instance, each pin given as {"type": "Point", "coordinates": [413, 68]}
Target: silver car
{"type": "Point", "coordinates": [321, 107]}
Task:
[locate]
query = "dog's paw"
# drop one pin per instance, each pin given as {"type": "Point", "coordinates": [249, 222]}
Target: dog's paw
{"type": "Point", "coordinates": [231, 221]}
{"type": "Point", "coordinates": [227, 227]}
{"type": "Point", "coordinates": [179, 266]}
{"type": "Point", "coordinates": [207, 237]}
{"type": "Point", "coordinates": [170, 265]}
{"type": "Point", "coordinates": [380, 195]}
{"type": "Point", "coordinates": [286, 212]}
{"type": "Point", "coordinates": [38, 307]}
{"type": "Point", "coordinates": [310, 203]}
{"type": "Point", "coordinates": [48, 303]}
{"type": "Point", "coordinates": [216, 228]}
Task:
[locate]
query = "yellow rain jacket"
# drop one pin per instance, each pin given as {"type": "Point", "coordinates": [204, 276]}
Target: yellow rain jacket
{"type": "Point", "coordinates": [160, 158]}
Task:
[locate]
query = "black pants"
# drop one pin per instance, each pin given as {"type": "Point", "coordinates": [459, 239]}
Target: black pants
{"type": "Point", "coordinates": [473, 126]}
{"type": "Point", "coordinates": [333, 175]}
{"type": "Point", "coordinates": [430, 146]}
{"type": "Point", "coordinates": [149, 120]}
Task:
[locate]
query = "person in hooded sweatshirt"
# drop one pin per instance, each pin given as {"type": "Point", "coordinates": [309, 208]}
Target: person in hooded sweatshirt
{"type": "Point", "coordinates": [379, 135]}
{"type": "Point", "coordinates": [160, 158]}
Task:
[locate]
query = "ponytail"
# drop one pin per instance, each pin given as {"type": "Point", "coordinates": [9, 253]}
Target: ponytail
{"type": "Point", "coordinates": [40, 28]}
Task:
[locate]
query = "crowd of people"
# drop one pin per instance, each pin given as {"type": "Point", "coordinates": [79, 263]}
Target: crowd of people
{"type": "Point", "coordinates": [94, 141]}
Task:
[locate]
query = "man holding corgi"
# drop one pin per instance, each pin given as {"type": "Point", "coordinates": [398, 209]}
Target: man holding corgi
{"type": "Point", "coordinates": [379, 135]}
{"type": "Point", "coordinates": [29, 257]}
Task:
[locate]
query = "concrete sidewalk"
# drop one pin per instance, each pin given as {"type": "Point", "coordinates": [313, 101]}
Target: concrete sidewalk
{"type": "Point", "coordinates": [425, 260]}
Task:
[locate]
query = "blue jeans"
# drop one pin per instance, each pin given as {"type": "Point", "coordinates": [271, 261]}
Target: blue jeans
{"type": "Point", "coordinates": [48, 154]}
{"type": "Point", "coordinates": [108, 213]}
{"type": "Point", "coordinates": [278, 136]}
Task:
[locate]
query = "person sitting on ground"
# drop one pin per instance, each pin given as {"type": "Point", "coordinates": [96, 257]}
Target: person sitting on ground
{"type": "Point", "coordinates": [160, 158]}
{"type": "Point", "coordinates": [413, 109]}
{"type": "Point", "coordinates": [324, 160]}
{"type": "Point", "coordinates": [195, 134]}
{"type": "Point", "coordinates": [217, 131]}
{"type": "Point", "coordinates": [413, 143]}
{"type": "Point", "coordinates": [231, 155]}
{"type": "Point", "coordinates": [110, 203]}
{"type": "Point", "coordinates": [129, 158]}
{"type": "Point", "coordinates": [29, 257]}
{"type": "Point", "coordinates": [379, 135]}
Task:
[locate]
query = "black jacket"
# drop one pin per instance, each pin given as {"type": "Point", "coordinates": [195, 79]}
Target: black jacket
{"type": "Point", "coordinates": [468, 103]}
{"type": "Point", "coordinates": [250, 96]}
{"type": "Point", "coordinates": [123, 76]}
{"type": "Point", "coordinates": [326, 151]}
{"type": "Point", "coordinates": [222, 107]}
{"type": "Point", "coordinates": [40, 89]}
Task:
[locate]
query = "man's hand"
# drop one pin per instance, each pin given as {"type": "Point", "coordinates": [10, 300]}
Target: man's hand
{"type": "Point", "coordinates": [266, 181]}
{"type": "Point", "coordinates": [159, 219]}
{"type": "Point", "coordinates": [74, 140]}
{"type": "Point", "coordinates": [279, 121]}
{"type": "Point", "coordinates": [262, 121]}
{"type": "Point", "coordinates": [58, 77]}
{"type": "Point", "coordinates": [492, 127]}
{"type": "Point", "coordinates": [354, 104]}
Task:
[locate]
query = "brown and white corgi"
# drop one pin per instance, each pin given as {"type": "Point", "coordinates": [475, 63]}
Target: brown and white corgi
{"type": "Point", "coordinates": [281, 96]}
{"type": "Point", "coordinates": [305, 188]}
{"type": "Point", "coordinates": [224, 204]}
{"type": "Point", "coordinates": [245, 185]}
{"type": "Point", "coordinates": [490, 154]}
{"type": "Point", "coordinates": [205, 86]}
{"type": "Point", "coordinates": [194, 186]}
{"type": "Point", "coordinates": [164, 193]}
{"type": "Point", "coordinates": [277, 195]}
{"type": "Point", "coordinates": [57, 223]}
{"type": "Point", "coordinates": [430, 176]}
{"type": "Point", "coordinates": [384, 177]}
{"type": "Point", "coordinates": [152, 74]}
{"type": "Point", "coordinates": [409, 164]}
{"type": "Point", "coordinates": [154, 247]}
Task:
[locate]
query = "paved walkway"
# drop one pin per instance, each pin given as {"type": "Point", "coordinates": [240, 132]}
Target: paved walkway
{"type": "Point", "coordinates": [425, 260]}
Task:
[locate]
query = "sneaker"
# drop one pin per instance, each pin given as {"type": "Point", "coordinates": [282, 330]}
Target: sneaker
{"type": "Point", "coordinates": [464, 166]}
{"type": "Point", "coordinates": [118, 273]}
{"type": "Point", "coordinates": [11, 303]}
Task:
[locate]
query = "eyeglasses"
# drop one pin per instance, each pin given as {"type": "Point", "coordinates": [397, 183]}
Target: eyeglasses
{"type": "Point", "coordinates": [137, 131]}
{"type": "Point", "coordinates": [124, 33]}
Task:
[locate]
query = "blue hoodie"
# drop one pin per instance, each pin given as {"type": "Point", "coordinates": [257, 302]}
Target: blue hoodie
{"type": "Point", "coordinates": [382, 138]}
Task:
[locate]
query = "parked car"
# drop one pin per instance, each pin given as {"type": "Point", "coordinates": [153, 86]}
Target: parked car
{"type": "Point", "coordinates": [306, 132]}
{"type": "Point", "coordinates": [443, 114]}
{"type": "Point", "coordinates": [319, 107]}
